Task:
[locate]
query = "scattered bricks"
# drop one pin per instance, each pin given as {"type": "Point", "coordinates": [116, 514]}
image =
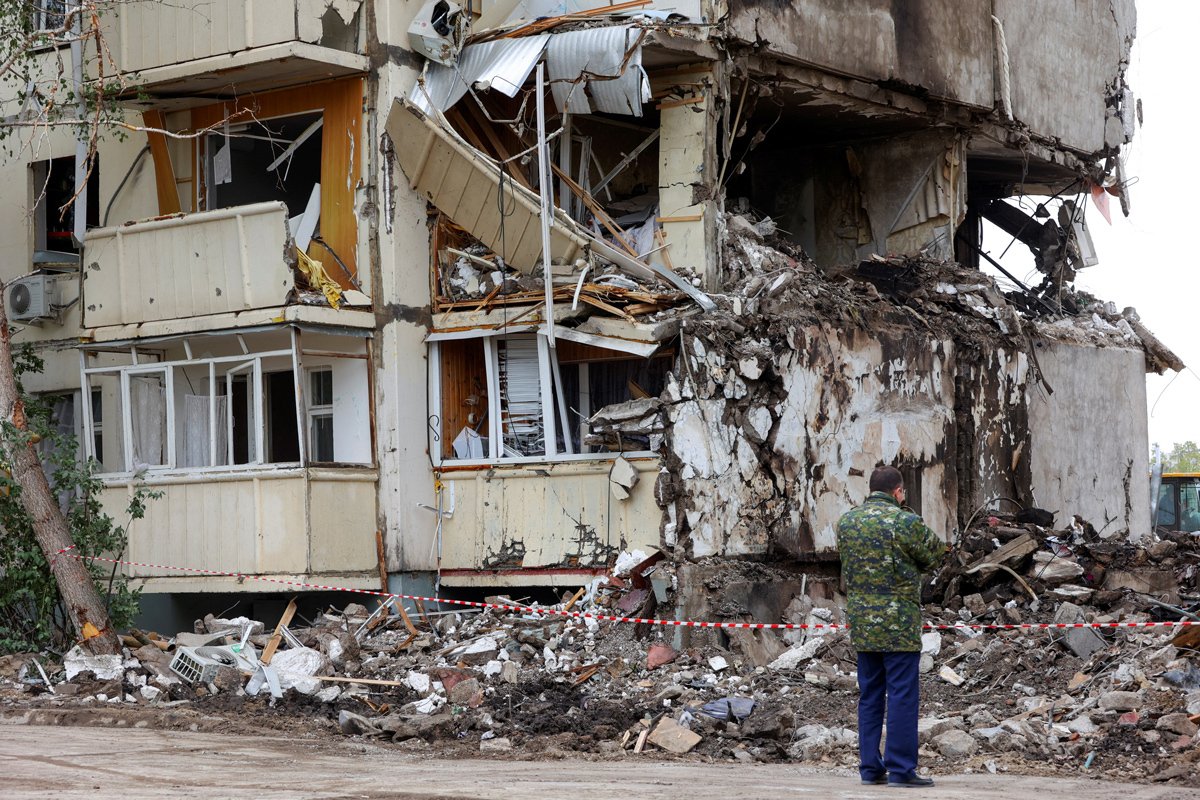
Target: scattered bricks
{"type": "Point", "coordinates": [1177, 723]}
{"type": "Point", "coordinates": [956, 744]}
{"type": "Point", "coordinates": [1120, 701]}
{"type": "Point", "coordinates": [660, 654]}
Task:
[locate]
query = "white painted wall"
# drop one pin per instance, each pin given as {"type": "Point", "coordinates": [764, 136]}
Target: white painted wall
{"type": "Point", "coordinates": [1090, 453]}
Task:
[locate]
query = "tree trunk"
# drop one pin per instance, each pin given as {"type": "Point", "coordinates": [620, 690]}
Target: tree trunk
{"type": "Point", "coordinates": [80, 597]}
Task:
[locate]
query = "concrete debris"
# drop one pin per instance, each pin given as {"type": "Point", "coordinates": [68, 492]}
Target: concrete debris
{"type": "Point", "coordinates": [102, 668]}
{"type": "Point", "coordinates": [509, 681]}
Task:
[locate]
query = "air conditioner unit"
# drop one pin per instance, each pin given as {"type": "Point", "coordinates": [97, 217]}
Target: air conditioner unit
{"type": "Point", "coordinates": [31, 298]}
{"type": "Point", "coordinates": [439, 31]}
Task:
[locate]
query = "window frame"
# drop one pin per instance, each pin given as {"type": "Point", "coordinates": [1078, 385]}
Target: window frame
{"type": "Point", "coordinates": [320, 410]}
{"type": "Point", "coordinates": [553, 405]}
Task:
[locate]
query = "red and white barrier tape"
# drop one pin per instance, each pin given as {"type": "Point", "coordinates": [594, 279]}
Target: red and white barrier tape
{"type": "Point", "coordinates": [993, 626]}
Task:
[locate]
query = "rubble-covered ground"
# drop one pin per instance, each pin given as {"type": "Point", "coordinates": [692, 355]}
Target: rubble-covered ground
{"type": "Point", "coordinates": [1109, 702]}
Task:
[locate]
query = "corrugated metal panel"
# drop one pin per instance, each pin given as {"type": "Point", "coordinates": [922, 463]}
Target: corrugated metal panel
{"type": "Point", "coordinates": [465, 185]}
{"type": "Point", "coordinates": [195, 264]}
{"type": "Point", "coordinates": [504, 64]}
{"type": "Point", "coordinates": [610, 59]}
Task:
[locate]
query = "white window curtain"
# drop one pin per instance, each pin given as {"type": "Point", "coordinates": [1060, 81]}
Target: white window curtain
{"type": "Point", "coordinates": [197, 434]}
{"type": "Point", "coordinates": [148, 404]}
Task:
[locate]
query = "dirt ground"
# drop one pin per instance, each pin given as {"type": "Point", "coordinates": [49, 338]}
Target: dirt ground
{"type": "Point", "coordinates": [131, 764]}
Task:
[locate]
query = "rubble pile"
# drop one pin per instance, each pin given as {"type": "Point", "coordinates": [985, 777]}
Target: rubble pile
{"type": "Point", "coordinates": [1114, 701]}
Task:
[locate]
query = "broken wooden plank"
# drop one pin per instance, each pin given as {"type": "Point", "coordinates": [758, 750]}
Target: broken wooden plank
{"type": "Point", "coordinates": [1007, 555]}
{"type": "Point", "coordinates": [603, 306]}
{"type": "Point", "coordinates": [165, 182]}
{"type": "Point", "coordinates": [599, 213]}
{"type": "Point", "coordinates": [277, 636]}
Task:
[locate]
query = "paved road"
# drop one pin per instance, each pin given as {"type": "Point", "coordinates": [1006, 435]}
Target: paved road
{"type": "Point", "coordinates": [123, 764]}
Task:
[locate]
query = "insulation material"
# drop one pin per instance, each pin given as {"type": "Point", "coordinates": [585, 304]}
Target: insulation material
{"type": "Point", "coordinates": [502, 64]}
{"type": "Point", "coordinates": [318, 279]}
{"type": "Point", "coordinates": [598, 69]}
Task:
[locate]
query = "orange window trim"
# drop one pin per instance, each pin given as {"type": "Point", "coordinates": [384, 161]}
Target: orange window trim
{"type": "Point", "coordinates": [341, 103]}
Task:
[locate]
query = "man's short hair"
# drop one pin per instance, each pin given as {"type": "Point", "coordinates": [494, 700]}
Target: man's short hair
{"type": "Point", "coordinates": [886, 479]}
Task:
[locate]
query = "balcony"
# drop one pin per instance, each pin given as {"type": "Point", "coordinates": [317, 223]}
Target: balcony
{"type": "Point", "coordinates": [192, 265]}
{"type": "Point", "coordinates": [287, 524]}
{"type": "Point", "coordinates": [542, 525]}
{"type": "Point", "coordinates": [172, 49]}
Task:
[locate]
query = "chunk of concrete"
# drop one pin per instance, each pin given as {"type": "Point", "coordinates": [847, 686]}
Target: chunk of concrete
{"type": "Point", "coordinates": [296, 668]}
{"type": "Point", "coordinates": [673, 737]}
{"type": "Point", "coordinates": [622, 477]}
{"type": "Point", "coordinates": [104, 668]}
{"type": "Point", "coordinates": [1120, 701]}
{"type": "Point", "coordinates": [1178, 723]}
{"type": "Point", "coordinates": [956, 744]}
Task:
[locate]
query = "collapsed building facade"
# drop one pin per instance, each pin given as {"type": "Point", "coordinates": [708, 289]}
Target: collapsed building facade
{"type": "Point", "coordinates": [402, 293]}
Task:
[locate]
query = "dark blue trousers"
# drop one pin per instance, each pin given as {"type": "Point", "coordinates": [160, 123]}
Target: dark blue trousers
{"type": "Point", "coordinates": [888, 681]}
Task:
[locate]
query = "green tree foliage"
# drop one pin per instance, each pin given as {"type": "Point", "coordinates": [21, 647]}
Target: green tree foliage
{"type": "Point", "coordinates": [1183, 457]}
{"type": "Point", "coordinates": [32, 616]}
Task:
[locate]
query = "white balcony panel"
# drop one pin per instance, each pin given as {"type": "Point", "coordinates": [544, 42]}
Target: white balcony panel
{"type": "Point", "coordinates": [156, 34]}
{"type": "Point", "coordinates": [542, 516]}
{"type": "Point", "coordinates": [269, 523]}
{"type": "Point", "coordinates": [190, 265]}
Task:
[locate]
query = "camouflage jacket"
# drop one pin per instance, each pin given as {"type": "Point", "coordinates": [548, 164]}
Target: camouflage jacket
{"type": "Point", "coordinates": [884, 549]}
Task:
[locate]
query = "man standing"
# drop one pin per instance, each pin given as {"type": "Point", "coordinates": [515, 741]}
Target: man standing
{"type": "Point", "coordinates": [884, 549]}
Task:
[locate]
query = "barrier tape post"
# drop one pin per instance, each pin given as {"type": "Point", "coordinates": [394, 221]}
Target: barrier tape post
{"type": "Point", "coordinates": [983, 626]}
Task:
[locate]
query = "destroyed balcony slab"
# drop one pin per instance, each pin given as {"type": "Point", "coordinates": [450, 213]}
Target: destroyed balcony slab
{"type": "Point", "coordinates": [471, 189]}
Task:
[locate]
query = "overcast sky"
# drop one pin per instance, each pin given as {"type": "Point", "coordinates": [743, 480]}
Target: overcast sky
{"type": "Point", "coordinates": [1147, 260]}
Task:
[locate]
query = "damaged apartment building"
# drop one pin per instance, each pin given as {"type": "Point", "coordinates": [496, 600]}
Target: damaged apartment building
{"type": "Point", "coordinates": [417, 294]}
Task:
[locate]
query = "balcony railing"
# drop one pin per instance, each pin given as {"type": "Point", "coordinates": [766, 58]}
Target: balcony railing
{"type": "Point", "coordinates": [190, 265]}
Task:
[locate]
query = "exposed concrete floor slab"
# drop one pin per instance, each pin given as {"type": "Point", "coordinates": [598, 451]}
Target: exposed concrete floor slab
{"type": "Point", "coordinates": [99, 764]}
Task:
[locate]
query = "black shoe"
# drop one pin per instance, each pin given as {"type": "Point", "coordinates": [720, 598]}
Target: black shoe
{"type": "Point", "coordinates": [880, 781]}
{"type": "Point", "coordinates": [909, 781]}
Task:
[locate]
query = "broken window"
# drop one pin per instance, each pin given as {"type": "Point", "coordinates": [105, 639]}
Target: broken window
{"type": "Point", "coordinates": [261, 160]}
{"type": "Point", "coordinates": [544, 398]}
{"type": "Point", "coordinates": [296, 146]}
{"type": "Point", "coordinates": [55, 203]}
{"type": "Point", "coordinates": [232, 406]}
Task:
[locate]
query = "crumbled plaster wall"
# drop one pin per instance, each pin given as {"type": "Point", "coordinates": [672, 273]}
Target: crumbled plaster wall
{"type": "Point", "coordinates": [770, 441]}
{"type": "Point", "coordinates": [774, 426]}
